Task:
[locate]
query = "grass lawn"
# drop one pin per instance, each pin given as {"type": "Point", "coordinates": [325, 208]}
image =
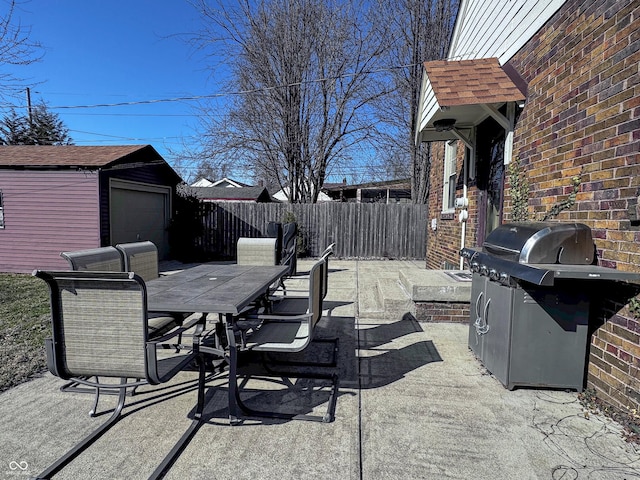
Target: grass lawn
{"type": "Point", "coordinates": [25, 320]}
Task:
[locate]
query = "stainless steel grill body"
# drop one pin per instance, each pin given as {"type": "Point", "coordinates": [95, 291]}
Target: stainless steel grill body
{"type": "Point", "coordinates": [529, 309]}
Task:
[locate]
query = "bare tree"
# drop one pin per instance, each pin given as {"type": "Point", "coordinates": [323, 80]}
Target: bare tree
{"type": "Point", "coordinates": [16, 48]}
{"type": "Point", "coordinates": [419, 31]}
{"type": "Point", "coordinates": [302, 71]}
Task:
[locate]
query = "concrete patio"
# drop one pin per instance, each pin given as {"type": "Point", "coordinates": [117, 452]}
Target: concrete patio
{"type": "Point", "coordinates": [413, 404]}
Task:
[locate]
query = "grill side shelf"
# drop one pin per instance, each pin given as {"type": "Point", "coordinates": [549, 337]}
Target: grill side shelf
{"type": "Point", "coordinates": [591, 272]}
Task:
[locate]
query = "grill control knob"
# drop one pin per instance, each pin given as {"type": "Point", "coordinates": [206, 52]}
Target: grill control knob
{"type": "Point", "coordinates": [475, 267]}
{"type": "Point", "coordinates": [504, 278]}
{"type": "Point", "coordinates": [493, 274]}
{"type": "Point", "coordinates": [484, 270]}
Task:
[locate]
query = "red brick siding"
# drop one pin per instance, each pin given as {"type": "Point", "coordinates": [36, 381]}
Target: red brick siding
{"type": "Point", "coordinates": [443, 244]}
{"type": "Point", "coordinates": [442, 312]}
{"type": "Point", "coordinates": [582, 117]}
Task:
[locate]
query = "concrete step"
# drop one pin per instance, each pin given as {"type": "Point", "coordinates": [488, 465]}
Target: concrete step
{"type": "Point", "coordinates": [436, 285]}
{"type": "Point", "coordinates": [393, 298]}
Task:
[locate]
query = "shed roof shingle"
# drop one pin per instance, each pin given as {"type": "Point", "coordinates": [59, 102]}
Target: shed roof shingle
{"type": "Point", "coordinates": [471, 82]}
{"type": "Point", "coordinates": [66, 155]}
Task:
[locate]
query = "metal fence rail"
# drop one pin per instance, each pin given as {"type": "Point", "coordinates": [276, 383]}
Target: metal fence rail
{"type": "Point", "coordinates": [360, 230]}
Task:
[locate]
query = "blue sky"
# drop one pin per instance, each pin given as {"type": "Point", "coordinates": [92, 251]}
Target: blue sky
{"type": "Point", "coordinates": [117, 51]}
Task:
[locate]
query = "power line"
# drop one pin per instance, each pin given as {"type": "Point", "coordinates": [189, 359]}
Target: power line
{"type": "Point", "coordinates": [192, 98]}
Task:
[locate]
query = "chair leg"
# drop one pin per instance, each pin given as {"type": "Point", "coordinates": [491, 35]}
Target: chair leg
{"type": "Point", "coordinates": [74, 387]}
{"type": "Point", "coordinates": [326, 418]}
{"type": "Point", "coordinates": [96, 398]}
{"type": "Point", "coordinates": [92, 437]}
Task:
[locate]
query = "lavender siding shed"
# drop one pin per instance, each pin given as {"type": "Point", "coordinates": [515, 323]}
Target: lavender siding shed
{"type": "Point", "coordinates": [62, 198]}
{"type": "Point", "coordinates": [45, 213]}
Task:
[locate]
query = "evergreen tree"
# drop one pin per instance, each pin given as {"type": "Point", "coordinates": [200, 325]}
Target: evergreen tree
{"type": "Point", "coordinates": [42, 127]}
{"type": "Point", "coordinates": [13, 129]}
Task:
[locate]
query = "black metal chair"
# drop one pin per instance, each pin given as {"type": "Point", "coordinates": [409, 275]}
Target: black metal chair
{"type": "Point", "coordinates": [142, 259]}
{"type": "Point", "coordinates": [100, 329]}
{"type": "Point", "coordinates": [143, 256]}
{"type": "Point", "coordinates": [290, 328]}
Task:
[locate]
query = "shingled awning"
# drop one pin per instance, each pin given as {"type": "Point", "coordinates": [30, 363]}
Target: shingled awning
{"type": "Point", "coordinates": [463, 93]}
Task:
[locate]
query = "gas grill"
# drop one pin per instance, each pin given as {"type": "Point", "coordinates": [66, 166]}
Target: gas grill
{"type": "Point", "coordinates": [529, 322]}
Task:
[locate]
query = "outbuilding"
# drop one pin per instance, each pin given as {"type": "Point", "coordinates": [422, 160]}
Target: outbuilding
{"type": "Point", "coordinates": [67, 197]}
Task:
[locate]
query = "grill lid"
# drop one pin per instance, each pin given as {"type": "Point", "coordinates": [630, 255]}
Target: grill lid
{"type": "Point", "coordinates": [542, 242]}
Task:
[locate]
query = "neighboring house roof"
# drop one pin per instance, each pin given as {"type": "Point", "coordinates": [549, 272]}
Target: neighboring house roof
{"type": "Point", "coordinates": [470, 82]}
{"type": "Point", "coordinates": [401, 183]}
{"type": "Point", "coordinates": [224, 182]}
{"type": "Point", "coordinates": [227, 182]}
{"type": "Point", "coordinates": [202, 182]}
{"type": "Point", "coordinates": [282, 196]}
{"type": "Point", "coordinates": [70, 155]}
{"type": "Point", "coordinates": [370, 191]}
{"type": "Point", "coordinates": [243, 194]}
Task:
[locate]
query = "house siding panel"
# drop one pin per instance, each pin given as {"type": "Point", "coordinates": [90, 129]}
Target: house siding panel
{"type": "Point", "coordinates": [38, 225]}
{"type": "Point", "coordinates": [498, 29]}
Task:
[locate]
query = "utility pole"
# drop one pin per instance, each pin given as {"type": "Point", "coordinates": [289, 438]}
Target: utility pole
{"type": "Point", "coordinates": [29, 106]}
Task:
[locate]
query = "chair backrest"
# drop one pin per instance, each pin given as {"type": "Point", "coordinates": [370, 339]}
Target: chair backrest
{"type": "Point", "coordinates": [274, 230]}
{"type": "Point", "coordinates": [316, 279]}
{"type": "Point", "coordinates": [289, 247]}
{"type": "Point", "coordinates": [257, 251]}
{"type": "Point", "coordinates": [103, 259]}
{"type": "Point", "coordinates": [99, 322]}
{"type": "Point", "coordinates": [141, 258]}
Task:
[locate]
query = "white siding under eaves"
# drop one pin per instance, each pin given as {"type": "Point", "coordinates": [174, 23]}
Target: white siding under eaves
{"type": "Point", "coordinates": [498, 28]}
{"type": "Point", "coordinates": [428, 106]}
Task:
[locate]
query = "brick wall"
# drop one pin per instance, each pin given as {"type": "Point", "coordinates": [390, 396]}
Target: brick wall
{"type": "Point", "coordinates": [442, 312]}
{"type": "Point", "coordinates": [443, 244]}
{"type": "Point", "coordinates": [582, 119]}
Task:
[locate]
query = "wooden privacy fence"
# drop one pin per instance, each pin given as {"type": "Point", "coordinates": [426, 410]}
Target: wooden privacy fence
{"type": "Point", "coordinates": [360, 230]}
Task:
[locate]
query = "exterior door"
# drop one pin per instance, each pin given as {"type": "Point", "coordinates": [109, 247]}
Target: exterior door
{"type": "Point", "coordinates": [490, 175]}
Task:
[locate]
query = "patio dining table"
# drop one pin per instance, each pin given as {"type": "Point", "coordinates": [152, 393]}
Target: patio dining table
{"type": "Point", "coordinates": [225, 289]}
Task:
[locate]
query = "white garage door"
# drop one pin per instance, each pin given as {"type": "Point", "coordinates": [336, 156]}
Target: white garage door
{"type": "Point", "coordinates": [140, 212]}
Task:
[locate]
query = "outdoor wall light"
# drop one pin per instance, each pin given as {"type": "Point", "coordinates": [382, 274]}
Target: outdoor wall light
{"type": "Point", "coordinates": [444, 124]}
